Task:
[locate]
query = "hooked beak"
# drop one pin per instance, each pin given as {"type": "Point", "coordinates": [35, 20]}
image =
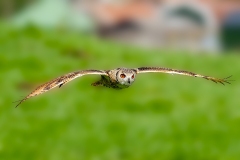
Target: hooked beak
{"type": "Point", "coordinates": [129, 80]}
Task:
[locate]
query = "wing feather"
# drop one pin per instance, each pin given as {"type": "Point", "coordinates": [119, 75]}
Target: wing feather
{"type": "Point", "coordinates": [181, 72]}
{"type": "Point", "coordinates": [60, 81]}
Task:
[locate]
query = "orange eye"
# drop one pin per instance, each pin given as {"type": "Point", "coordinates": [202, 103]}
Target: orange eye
{"type": "Point", "coordinates": [132, 76]}
{"type": "Point", "coordinates": [122, 75]}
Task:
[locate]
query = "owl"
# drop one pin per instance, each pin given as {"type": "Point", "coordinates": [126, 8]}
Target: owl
{"type": "Point", "coordinates": [119, 78]}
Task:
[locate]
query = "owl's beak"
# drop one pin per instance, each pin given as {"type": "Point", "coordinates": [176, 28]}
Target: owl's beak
{"type": "Point", "coordinates": [129, 80]}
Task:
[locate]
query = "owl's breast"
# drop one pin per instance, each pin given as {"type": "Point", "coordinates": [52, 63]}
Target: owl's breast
{"type": "Point", "coordinates": [121, 86]}
{"type": "Point", "coordinates": [115, 85]}
{"type": "Point", "coordinates": [110, 83]}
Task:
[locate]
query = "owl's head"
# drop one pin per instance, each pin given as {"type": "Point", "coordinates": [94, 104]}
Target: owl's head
{"type": "Point", "coordinates": [126, 76]}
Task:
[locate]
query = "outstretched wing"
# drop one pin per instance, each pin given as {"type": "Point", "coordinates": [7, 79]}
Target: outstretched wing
{"type": "Point", "coordinates": [181, 72]}
{"type": "Point", "coordinates": [60, 81]}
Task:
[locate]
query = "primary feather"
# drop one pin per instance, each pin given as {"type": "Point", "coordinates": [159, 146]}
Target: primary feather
{"type": "Point", "coordinates": [181, 72]}
{"type": "Point", "coordinates": [58, 82]}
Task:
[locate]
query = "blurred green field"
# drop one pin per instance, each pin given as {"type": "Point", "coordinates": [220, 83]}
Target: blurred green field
{"type": "Point", "coordinates": [159, 117]}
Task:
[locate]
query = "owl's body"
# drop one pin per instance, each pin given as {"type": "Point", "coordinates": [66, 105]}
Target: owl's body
{"type": "Point", "coordinates": [119, 78]}
{"type": "Point", "coordinates": [112, 80]}
{"type": "Point", "coordinates": [107, 82]}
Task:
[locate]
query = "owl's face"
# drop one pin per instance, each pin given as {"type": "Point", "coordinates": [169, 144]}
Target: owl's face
{"type": "Point", "coordinates": [126, 77]}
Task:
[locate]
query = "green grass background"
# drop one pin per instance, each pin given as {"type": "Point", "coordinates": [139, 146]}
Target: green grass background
{"type": "Point", "coordinates": [159, 117]}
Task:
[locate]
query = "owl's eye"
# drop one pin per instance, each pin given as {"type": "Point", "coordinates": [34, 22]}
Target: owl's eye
{"type": "Point", "coordinates": [132, 76]}
{"type": "Point", "coordinates": [122, 75]}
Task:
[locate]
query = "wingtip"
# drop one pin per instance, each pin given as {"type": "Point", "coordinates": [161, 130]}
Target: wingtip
{"type": "Point", "coordinates": [226, 80]}
{"type": "Point", "coordinates": [19, 102]}
{"type": "Point", "coordinates": [17, 105]}
{"type": "Point", "coordinates": [228, 77]}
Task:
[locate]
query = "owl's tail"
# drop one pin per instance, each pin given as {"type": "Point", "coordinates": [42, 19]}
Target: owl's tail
{"type": "Point", "coordinates": [98, 83]}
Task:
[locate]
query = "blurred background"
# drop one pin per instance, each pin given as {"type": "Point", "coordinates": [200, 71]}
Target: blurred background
{"type": "Point", "coordinates": [159, 117]}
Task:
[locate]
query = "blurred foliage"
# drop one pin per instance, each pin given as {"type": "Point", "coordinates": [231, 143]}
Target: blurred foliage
{"type": "Point", "coordinates": [231, 37]}
{"type": "Point", "coordinates": [10, 7]}
{"type": "Point", "coordinates": [159, 117]}
{"type": "Point", "coordinates": [53, 14]}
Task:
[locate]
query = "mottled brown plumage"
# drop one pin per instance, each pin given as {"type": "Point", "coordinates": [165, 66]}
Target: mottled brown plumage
{"type": "Point", "coordinates": [119, 78]}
